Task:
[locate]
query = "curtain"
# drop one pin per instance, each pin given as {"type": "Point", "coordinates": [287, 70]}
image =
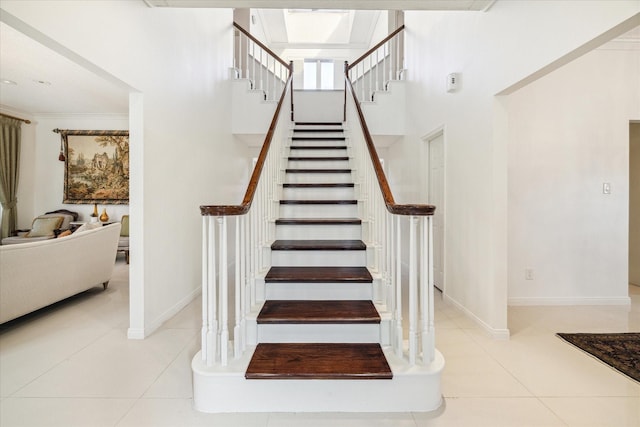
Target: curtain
{"type": "Point", "coordinates": [9, 162]}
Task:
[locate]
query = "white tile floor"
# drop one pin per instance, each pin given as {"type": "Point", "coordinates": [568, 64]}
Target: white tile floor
{"type": "Point", "coordinates": [72, 365]}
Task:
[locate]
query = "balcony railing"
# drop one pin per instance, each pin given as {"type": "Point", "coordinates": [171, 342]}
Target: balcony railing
{"type": "Point", "coordinates": [257, 63]}
{"type": "Point", "coordinates": [380, 65]}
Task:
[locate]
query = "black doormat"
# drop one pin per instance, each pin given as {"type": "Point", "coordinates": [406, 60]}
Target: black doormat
{"type": "Point", "coordinates": [620, 351]}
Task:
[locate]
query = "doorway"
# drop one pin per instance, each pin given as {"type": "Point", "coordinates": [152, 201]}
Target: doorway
{"type": "Point", "coordinates": [436, 196]}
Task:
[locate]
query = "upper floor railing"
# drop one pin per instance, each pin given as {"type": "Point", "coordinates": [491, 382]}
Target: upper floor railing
{"type": "Point", "coordinates": [381, 64]}
{"type": "Point", "coordinates": [254, 61]}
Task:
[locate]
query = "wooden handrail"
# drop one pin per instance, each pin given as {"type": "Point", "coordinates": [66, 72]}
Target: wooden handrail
{"type": "Point", "coordinates": [373, 49]}
{"type": "Point", "coordinates": [243, 208]}
{"type": "Point", "coordinates": [387, 195]}
{"type": "Point", "coordinates": [266, 49]}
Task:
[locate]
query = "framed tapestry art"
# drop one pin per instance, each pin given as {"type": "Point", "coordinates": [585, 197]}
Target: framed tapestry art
{"type": "Point", "coordinates": [96, 166]}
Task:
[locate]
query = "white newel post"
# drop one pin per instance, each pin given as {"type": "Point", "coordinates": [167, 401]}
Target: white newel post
{"type": "Point", "coordinates": [237, 339]}
{"type": "Point", "coordinates": [224, 300]}
{"type": "Point", "coordinates": [413, 291]}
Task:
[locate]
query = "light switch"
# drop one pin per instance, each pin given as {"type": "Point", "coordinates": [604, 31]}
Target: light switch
{"type": "Point", "coordinates": [606, 188]}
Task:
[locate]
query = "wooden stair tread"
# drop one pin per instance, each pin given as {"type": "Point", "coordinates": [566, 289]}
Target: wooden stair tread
{"type": "Point", "coordinates": [318, 312]}
{"type": "Point", "coordinates": [318, 147]}
{"type": "Point", "coordinates": [318, 202]}
{"type": "Point", "coordinates": [318, 138]}
{"type": "Point", "coordinates": [319, 123]}
{"type": "Point", "coordinates": [318, 185]}
{"type": "Point", "coordinates": [318, 245]}
{"type": "Point", "coordinates": [317, 170]}
{"type": "Point", "coordinates": [318, 130]}
{"type": "Point", "coordinates": [318, 361]}
{"type": "Point", "coordinates": [321, 159]}
{"type": "Point", "coordinates": [283, 274]}
{"type": "Point", "coordinates": [318, 221]}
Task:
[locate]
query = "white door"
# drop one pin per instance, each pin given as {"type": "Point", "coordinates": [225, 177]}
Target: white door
{"type": "Point", "coordinates": [436, 197]}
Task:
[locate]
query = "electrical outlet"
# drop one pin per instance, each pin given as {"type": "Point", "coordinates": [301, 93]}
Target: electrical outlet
{"type": "Point", "coordinates": [528, 274]}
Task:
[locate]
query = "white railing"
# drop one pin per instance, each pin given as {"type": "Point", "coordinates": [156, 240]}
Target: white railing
{"type": "Point", "coordinates": [233, 242]}
{"type": "Point", "coordinates": [254, 61]}
{"type": "Point", "coordinates": [383, 63]}
{"type": "Point", "coordinates": [403, 240]}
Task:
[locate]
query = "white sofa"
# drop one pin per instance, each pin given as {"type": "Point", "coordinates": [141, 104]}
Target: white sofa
{"type": "Point", "coordinates": [34, 275]}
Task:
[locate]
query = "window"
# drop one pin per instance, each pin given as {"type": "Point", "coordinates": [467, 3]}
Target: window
{"type": "Point", "coordinates": [318, 74]}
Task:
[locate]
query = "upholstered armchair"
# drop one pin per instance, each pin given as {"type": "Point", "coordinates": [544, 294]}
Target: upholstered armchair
{"type": "Point", "coordinates": [123, 242]}
{"type": "Point", "coordinates": [44, 227]}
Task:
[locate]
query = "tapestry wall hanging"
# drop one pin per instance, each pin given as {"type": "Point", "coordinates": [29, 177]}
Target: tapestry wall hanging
{"type": "Point", "coordinates": [96, 166]}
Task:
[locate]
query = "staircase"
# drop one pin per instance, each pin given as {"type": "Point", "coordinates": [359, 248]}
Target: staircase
{"type": "Point", "coordinates": [317, 338]}
{"type": "Point", "coordinates": [317, 289]}
{"type": "Point", "coordinates": [318, 320]}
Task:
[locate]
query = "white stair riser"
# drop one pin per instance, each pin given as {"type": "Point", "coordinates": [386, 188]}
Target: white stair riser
{"type": "Point", "coordinates": [335, 132]}
{"type": "Point", "coordinates": [318, 153]}
{"type": "Point", "coordinates": [315, 178]}
{"type": "Point", "coordinates": [331, 333]}
{"type": "Point", "coordinates": [318, 258]}
{"type": "Point", "coordinates": [319, 291]}
{"type": "Point", "coordinates": [318, 164]}
{"type": "Point", "coordinates": [318, 211]}
{"type": "Point", "coordinates": [315, 232]}
{"type": "Point", "coordinates": [317, 142]}
{"type": "Point", "coordinates": [337, 193]}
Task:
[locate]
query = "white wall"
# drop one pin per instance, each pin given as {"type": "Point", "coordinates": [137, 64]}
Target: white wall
{"type": "Point", "coordinates": [634, 203]}
{"type": "Point", "coordinates": [569, 134]}
{"type": "Point", "coordinates": [491, 51]}
{"type": "Point", "coordinates": [178, 61]}
{"type": "Point", "coordinates": [318, 105]}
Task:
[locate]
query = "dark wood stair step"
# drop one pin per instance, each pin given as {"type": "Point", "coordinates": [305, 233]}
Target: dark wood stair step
{"type": "Point", "coordinates": [318, 312]}
{"type": "Point", "coordinates": [322, 159]}
{"type": "Point", "coordinates": [318, 202]}
{"type": "Point", "coordinates": [318, 275]}
{"type": "Point", "coordinates": [318, 245]}
{"type": "Point", "coordinates": [319, 123]}
{"type": "Point", "coordinates": [317, 138]}
{"type": "Point", "coordinates": [318, 185]}
{"type": "Point", "coordinates": [318, 221]}
{"type": "Point", "coordinates": [318, 130]}
{"type": "Point", "coordinates": [318, 147]}
{"type": "Point", "coordinates": [317, 170]}
{"type": "Point", "coordinates": [318, 361]}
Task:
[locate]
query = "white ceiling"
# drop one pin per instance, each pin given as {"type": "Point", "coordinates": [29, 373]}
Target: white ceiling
{"type": "Point", "coordinates": [47, 82]}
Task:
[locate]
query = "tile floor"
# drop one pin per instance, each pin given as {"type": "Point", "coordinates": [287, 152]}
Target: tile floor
{"type": "Point", "coordinates": [72, 365]}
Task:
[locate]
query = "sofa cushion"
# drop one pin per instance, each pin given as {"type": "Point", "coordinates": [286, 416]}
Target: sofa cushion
{"type": "Point", "coordinates": [42, 227]}
{"type": "Point", "coordinates": [66, 219]}
{"type": "Point", "coordinates": [14, 240]}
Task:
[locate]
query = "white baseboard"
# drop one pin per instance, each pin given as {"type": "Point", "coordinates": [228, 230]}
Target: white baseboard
{"type": "Point", "coordinates": [142, 333]}
{"type": "Point", "coordinates": [499, 334]}
{"type": "Point", "coordinates": [135, 334]}
{"type": "Point", "coordinates": [519, 301]}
